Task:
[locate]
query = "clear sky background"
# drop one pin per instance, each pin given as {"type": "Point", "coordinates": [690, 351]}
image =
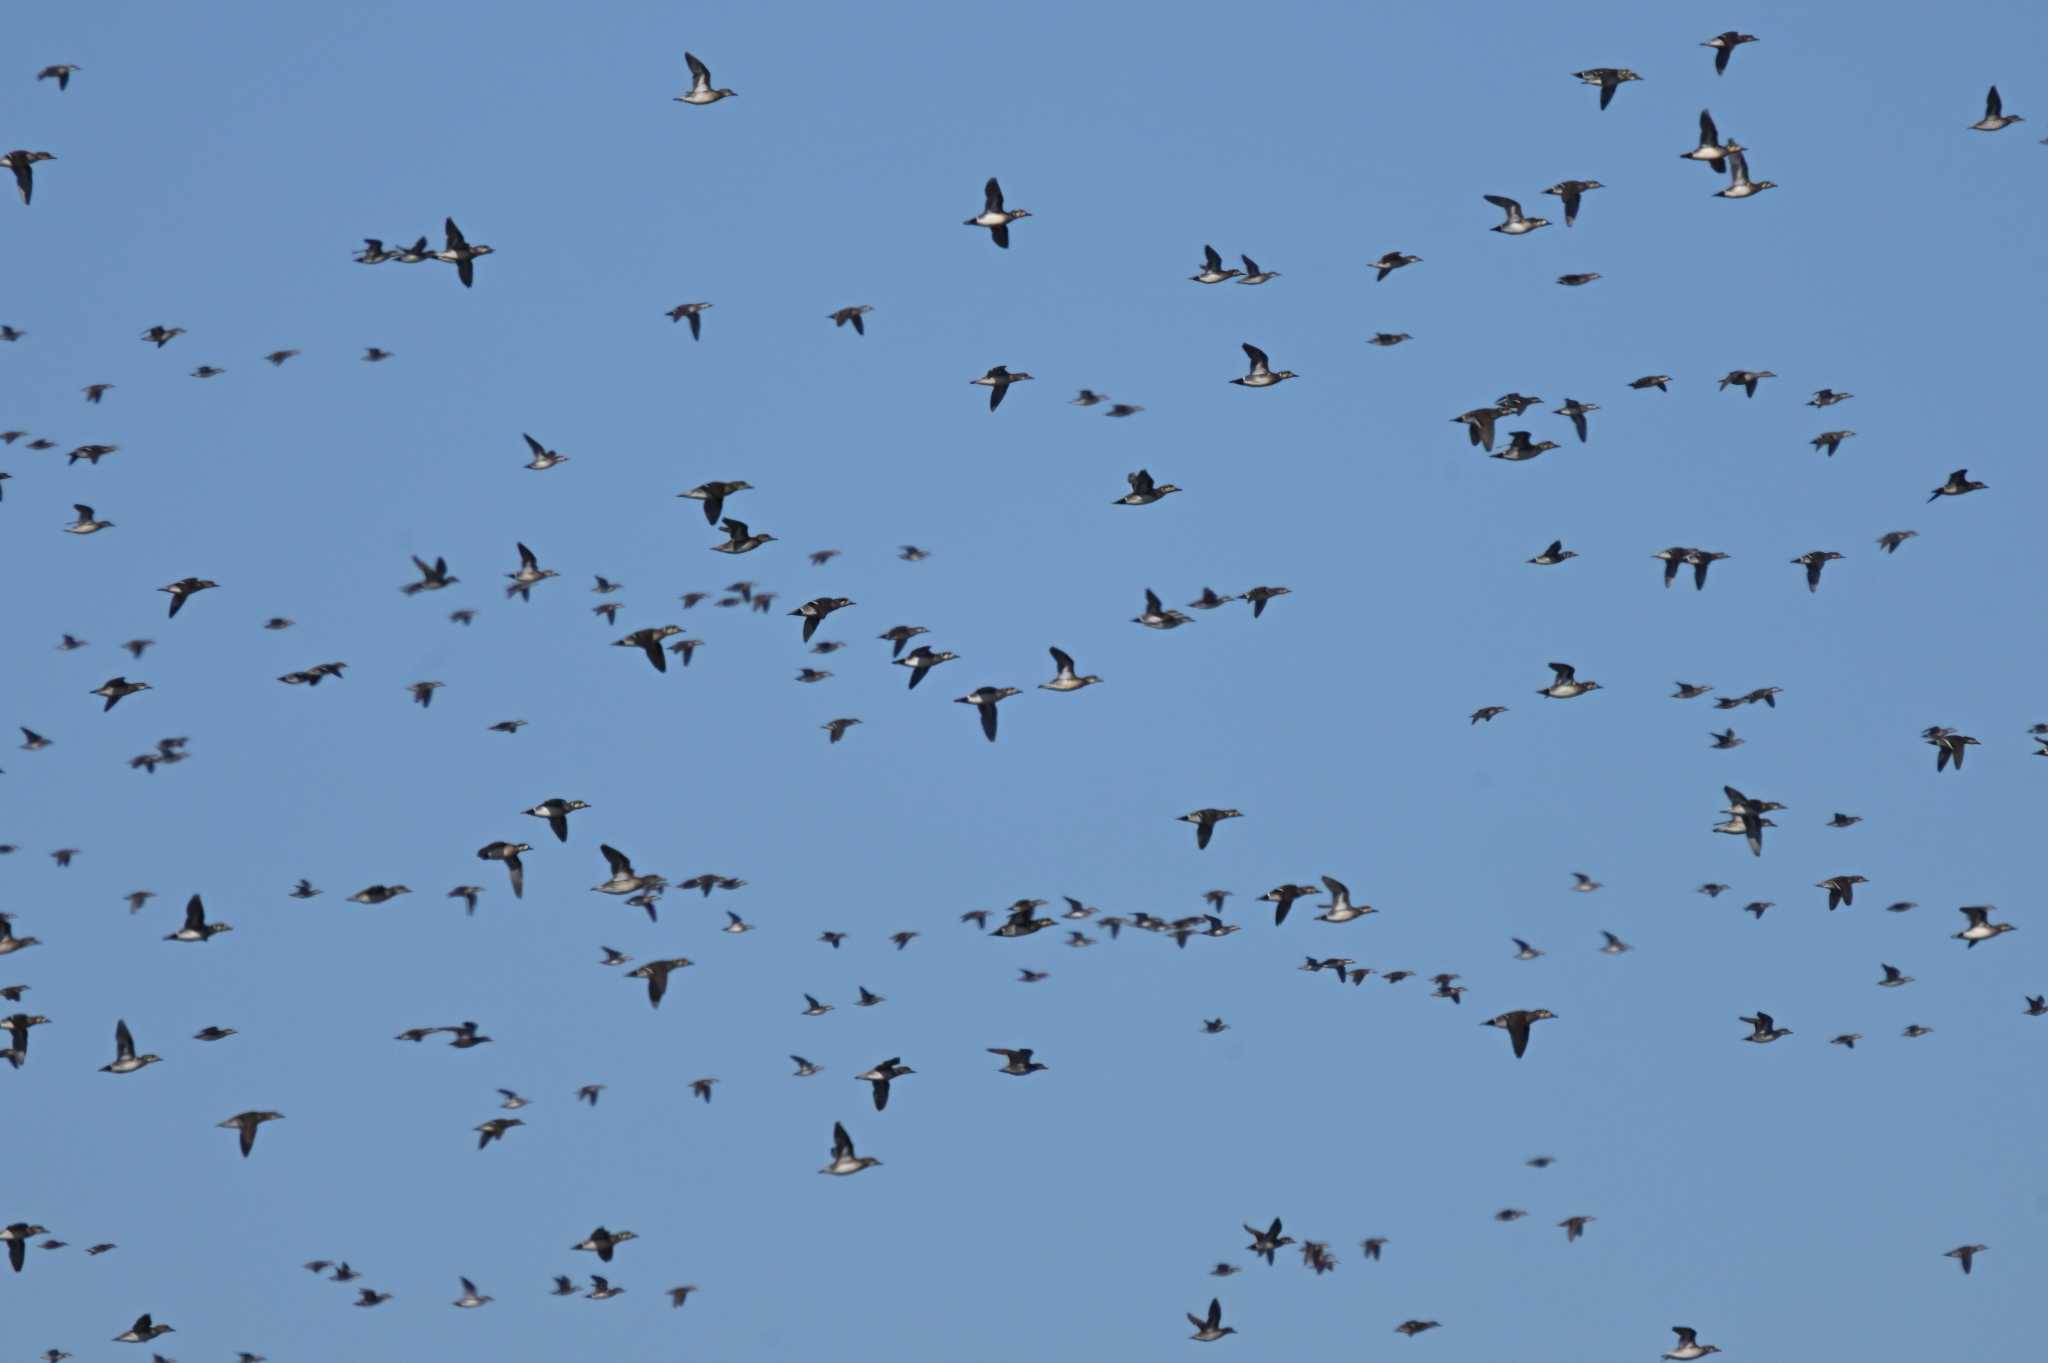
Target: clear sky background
{"type": "Point", "coordinates": [217, 166]}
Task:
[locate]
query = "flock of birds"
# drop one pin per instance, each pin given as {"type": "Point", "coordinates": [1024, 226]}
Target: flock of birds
{"type": "Point", "coordinates": [1742, 815]}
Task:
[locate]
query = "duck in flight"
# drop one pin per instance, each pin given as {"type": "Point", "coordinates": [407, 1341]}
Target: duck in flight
{"type": "Point", "coordinates": [195, 927]}
{"type": "Point", "coordinates": [1739, 185]}
{"type": "Point", "coordinates": [994, 216]}
{"type": "Point", "coordinates": [1958, 485]}
{"type": "Point", "coordinates": [1522, 448]}
{"type": "Point", "coordinates": [700, 84]}
{"type": "Point", "coordinates": [142, 1331]}
{"type": "Point", "coordinates": [1949, 746]}
{"type": "Point", "coordinates": [844, 1160]}
{"type": "Point", "coordinates": [1763, 1029]}
{"type": "Point", "coordinates": [556, 811]}
{"type": "Point", "coordinates": [998, 380]}
{"type": "Point", "coordinates": [1259, 596]}
{"type": "Point", "coordinates": [1516, 225]}
{"type": "Point", "coordinates": [543, 457]}
{"type": "Point", "coordinates": [921, 660]}
{"type": "Point", "coordinates": [126, 1061]}
{"type": "Point", "coordinates": [1576, 411]}
{"type": "Point", "coordinates": [1262, 374]}
{"type": "Point", "coordinates": [1205, 821]}
{"type": "Point", "coordinates": [1724, 45]}
{"type": "Point", "coordinates": [114, 688]}
{"type": "Point", "coordinates": [693, 313]}
{"type": "Point", "coordinates": [1814, 560]}
{"type": "Point", "coordinates": [1212, 271]}
{"type": "Point", "coordinates": [1066, 678]}
{"type": "Point", "coordinates": [1711, 150]}
{"type": "Point", "coordinates": [508, 852]}
{"type": "Point", "coordinates": [1689, 1346]}
{"type": "Point", "coordinates": [1608, 78]}
{"type": "Point", "coordinates": [1841, 890]}
{"type": "Point", "coordinates": [1567, 685]}
{"type": "Point", "coordinates": [984, 699]}
{"type": "Point", "coordinates": [739, 539]}
{"type": "Point", "coordinates": [1995, 119]}
{"type": "Point", "coordinates": [459, 253]}
{"type": "Point", "coordinates": [1144, 491]}
{"type": "Point", "coordinates": [1478, 424]}
{"type": "Point", "coordinates": [623, 879]}
{"type": "Point", "coordinates": [1390, 262]}
{"type": "Point", "coordinates": [713, 495]}
{"type": "Point", "coordinates": [184, 589]}
{"type": "Point", "coordinates": [1571, 191]}
{"type": "Point", "coordinates": [1340, 909]}
{"type": "Point", "coordinates": [530, 575]}
{"type": "Point", "coordinates": [656, 974]}
{"type": "Point", "coordinates": [881, 1076]}
{"type": "Point", "coordinates": [86, 524]}
{"type": "Point", "coordinates": [603, 1242]}
{"type": "Point", "coordinates": [1979, 927]}
{"type": "Point", "coordinates": [1701, 560]}
{"type": "Point", "coordinates": [1016, 1062]}
{"type": "Point", "coordinates": [246, 1123]}
{"type": "Point", "coordinates": [1253, 274]}
{"type": "Point", "coordinates": [648, 641]}
{"type": "Point", "coordinates": [22, 163]}
{"type": "Point", "coordinates": [433, 576]}
{"type": "Point", "coordinates": [1210, 1328]}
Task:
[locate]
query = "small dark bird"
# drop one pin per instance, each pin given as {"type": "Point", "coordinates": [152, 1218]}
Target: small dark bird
{"type": "Point", "coordinates": [998, 380]}
{"type": "Point", "coordinates": [1210, 1328]}
{"type": "Point", "coordinates": [1841, 890]}
{"type": "Point", "coordinates": [1516, 1024]}
{"type": "Point", "coordinates": [495, 1129]}
{"type": "Point", "coordinates": [184, 589]}
{"type": "Point", "coordinates": [1813, 561]}
{"type": "Point", "coordinates": [1017, 1062]}
{"type": "Point", "coordinates": [459, 253]}
{"type": "Point", "coordinates": [246, 1123]}
{"type": "Point", "coordinates": [1724, 45]}
{"type": "Point", "coordinates": [994, 216]}
{"type": "Point", "coordinates": [881, 1076]}
{"type": "Point", "coordinates": [1570, 191]}
{"type": "Point", "coordinates": [984, 699]}
{"type": "Point", "coordinates": [1205, 821]}
{"type": "Point", "coordinates": [1609, 79]}
{"type": "Point", "coordinates": [656, 974]}
{"type": "Point", "coordinates": [22, 163]}
{"type": "Point", "coordinates": [1958, 485]}
{"type": "Point", "coordinates": [693, 313]}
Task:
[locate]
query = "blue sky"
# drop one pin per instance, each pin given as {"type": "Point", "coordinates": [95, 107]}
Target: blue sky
{"type": "Point", "coordinates": [214, 172]}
